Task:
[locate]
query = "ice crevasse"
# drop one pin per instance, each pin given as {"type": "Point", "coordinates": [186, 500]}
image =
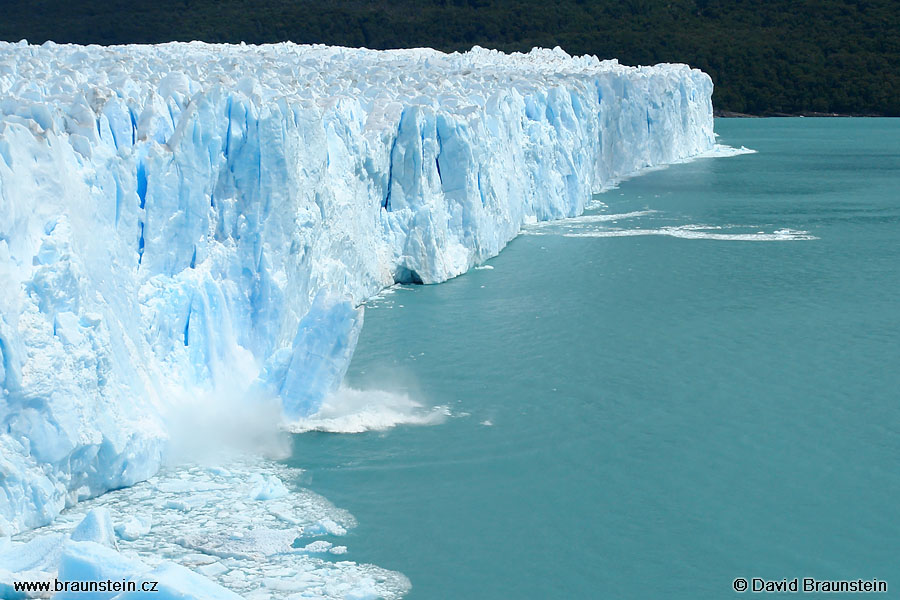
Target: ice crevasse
{"type": "Point", "coordinates": [185, 223]}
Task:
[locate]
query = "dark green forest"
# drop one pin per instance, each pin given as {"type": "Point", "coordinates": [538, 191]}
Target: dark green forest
{"type": "Point", "coordinates": [765, 57]}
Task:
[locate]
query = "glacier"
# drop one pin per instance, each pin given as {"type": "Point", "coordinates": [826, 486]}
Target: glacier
{"type": "Point", "coordinates": [196, 225]}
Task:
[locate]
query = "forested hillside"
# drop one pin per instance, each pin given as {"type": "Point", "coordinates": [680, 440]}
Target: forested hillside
{"type": "Point", "coordinates": [766, 57]}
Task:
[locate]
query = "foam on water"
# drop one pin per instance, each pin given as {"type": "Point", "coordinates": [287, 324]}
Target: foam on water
{"type": "Point", "coordinates": [659, 223]}
{"type": "Point", "coordinates": [355, 411]}
{"type": "Point", "coordinates": [700, 232]}
{"type": "Point", "coordinates": [717, 151]}
{"type": "Point", "coordinates": [594, 218]}
{"type": "Point", "coordinates": [724, 151]}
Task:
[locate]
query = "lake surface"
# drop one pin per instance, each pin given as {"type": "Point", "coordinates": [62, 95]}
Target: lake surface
{"type": "Point", "coordinates": [649, 407]}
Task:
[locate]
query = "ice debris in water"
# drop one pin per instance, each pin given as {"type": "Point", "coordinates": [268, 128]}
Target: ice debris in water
{"type": "Point", "coordinates": [224, 545]}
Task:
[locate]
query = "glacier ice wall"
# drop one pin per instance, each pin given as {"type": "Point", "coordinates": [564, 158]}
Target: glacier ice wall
{"type": "Point", "coordinates": [169, 214]}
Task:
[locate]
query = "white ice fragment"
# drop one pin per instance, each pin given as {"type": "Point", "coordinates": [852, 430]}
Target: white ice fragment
{"type": "Point", "coordinates": [133, 528]}
{"type": "Point", "coordinates": [182, 486]}
{"type": "Point", "coordinates": [317, 547]}
{"type": "Point", "coordinates": [178, 583]}
{"type": "Point", "coordinates": [89, 561]}
{"type": "Point", "coordinates": [325, 527]}
{"type": "Point", "coordinates": [38, 554]}
{"type": "Point", "coordinates": [212, 569]}
{"type": "Point", "coordinates": [96, 527]}
{"type": "Point", "coordinates": [267, 487]}
{"type": "Point", "coordinates": [177, 504]}
{"type": "Point", "coordinates": [255, 543]}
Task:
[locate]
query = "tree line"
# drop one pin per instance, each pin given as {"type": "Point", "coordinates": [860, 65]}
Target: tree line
{"type": "Point", "coordinates": [765, 56]}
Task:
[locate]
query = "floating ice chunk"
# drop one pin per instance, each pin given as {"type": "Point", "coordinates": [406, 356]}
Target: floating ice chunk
{"type": "Point", "coordinates": [92, 562]}
{"type": "Point", "coordinates": [267, 487]}
{"type": "Point", "coordinates": [184, 504]}
{"type": "Point", "coordinates": [37, 555]}
{"type": "Point", "coordinates": [179, 486]}
{"type": "Point", "coordinates": [133, 528]}
{"type": "Point", "coordinates": [256, 543]}
{"type": "Point", "coordinates": [213, 569]}
{"type": "Point", "coordinates": [317, 547]}
{"type": "Point", "coordinates": [96, 527]}
{"type": "Point", "coordinates": [325, 527]}
{"type": "Point", "coordinates": [178, 583]}
{"type": "Point", "coordinates": [365, 592]}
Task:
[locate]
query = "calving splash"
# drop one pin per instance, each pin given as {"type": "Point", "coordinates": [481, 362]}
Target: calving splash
{"type": "Point", "coordinates": [354, 411]}
{"type": "Point", "coordinates": [186, 223]}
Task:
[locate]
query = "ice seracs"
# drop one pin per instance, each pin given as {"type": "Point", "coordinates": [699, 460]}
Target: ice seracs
{"type": "Point", "coordinates": [168, 214]}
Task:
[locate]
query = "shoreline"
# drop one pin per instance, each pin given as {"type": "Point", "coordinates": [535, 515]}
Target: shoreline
{"type": "Point", "coordinates": [728, 114]}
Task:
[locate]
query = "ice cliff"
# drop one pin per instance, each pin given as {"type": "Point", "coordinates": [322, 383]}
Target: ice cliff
{"type": "Point", "coordinates": [193, 224]}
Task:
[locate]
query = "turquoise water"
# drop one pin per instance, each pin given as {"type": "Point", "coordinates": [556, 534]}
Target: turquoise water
{"type": "Point", "coordinates": [650, 416]}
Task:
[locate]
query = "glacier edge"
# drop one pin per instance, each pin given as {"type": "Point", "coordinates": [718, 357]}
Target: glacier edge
{"type": "Point", "coordinates": [169, 214]}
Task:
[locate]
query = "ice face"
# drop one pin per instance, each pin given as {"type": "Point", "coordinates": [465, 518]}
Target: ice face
{"type": "Point", "coordinates": [168, 214]}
